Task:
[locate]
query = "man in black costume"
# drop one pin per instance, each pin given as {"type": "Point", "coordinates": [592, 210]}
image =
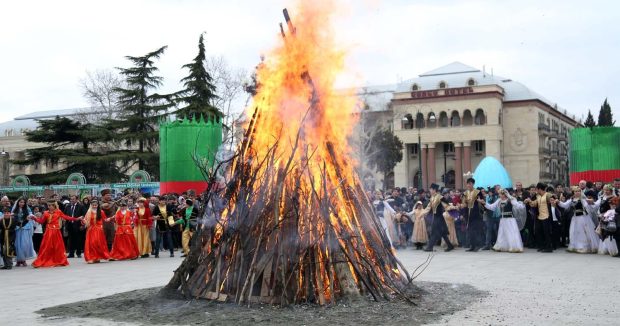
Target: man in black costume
{"type": "Point", "coordinates": [439, 229]}
{"type": "Point", "coordinates": [473, 215]}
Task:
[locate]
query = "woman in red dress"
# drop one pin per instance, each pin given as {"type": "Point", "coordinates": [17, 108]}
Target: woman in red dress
{"type": "Point", "coordinates": [52, 251]}
{"type": "Point", "coordinates": [124, 245]}
{"type": "Point", "coordinates": [96, 247]}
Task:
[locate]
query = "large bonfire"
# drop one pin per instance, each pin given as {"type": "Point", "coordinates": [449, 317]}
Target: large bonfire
{"type": "Point", "coordinates": [297, 226]}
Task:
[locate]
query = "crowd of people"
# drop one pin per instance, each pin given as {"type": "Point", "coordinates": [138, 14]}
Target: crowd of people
{"type": "Point", "coordinates": [581, 218]}
{"type": "Point", "coordinates": [106, 227]}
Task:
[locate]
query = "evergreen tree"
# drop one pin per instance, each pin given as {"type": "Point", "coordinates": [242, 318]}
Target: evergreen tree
{"type": "Point", "coordinates": [384, 151]}
{"type": "Point", "coordinates": [199, 91]}
{"type": "Point", "coordinates": [135, 129]}
{"type": "Point", "coordinates": [589, 121]}
{"type": "Point", "coordinates": [605, 117]}
{"type": "Point", "coordinates": [70, 144]}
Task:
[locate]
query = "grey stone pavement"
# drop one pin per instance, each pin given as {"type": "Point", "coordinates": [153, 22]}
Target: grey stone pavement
{"type": "Point", "coordinates": [525, 289]}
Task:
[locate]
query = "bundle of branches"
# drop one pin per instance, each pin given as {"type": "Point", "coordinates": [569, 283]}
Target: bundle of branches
{"type": "Point", "coordinates": [295, 224]}
{"type": "Point", "coordinates": [287, 235]}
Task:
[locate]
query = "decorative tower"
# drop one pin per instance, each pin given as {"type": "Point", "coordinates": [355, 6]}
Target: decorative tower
{"type": "Point", "coordinates": [184, 144]}
{"type": "Point", "coordinates": [594, 154]}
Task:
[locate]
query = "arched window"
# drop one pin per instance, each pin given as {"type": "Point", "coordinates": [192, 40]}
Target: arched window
{"type": "Point", "coordinates": [419, 121]}
{"type": "Point", "coordinates": [443, 119]}
{"type": "Point", "coordinates": [443, 84]}
{"type": "Point", "coordinates": [407, 122]}
{"type": "Point", "coordinates": [468, 120]}
{"type": "Point", "coordinates": [455, 119]}
{"type": "Point", "coordinates": [415, 87]}
{"type": "Point", "coordinates": [432, 120]}
{"type": "Point", "coordinates": [471, 82]}
{"type": "Point", "coordinates": [480, 119]}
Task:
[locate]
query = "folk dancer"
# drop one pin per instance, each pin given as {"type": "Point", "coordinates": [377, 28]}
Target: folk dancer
{"type": "Point", "coordinates": [96, 246]}
{"type": "Point", "coordinates": [473, 215]}
{"type": "Point", "coordinates": [189, 216]}
{"type": "Point", "coordinates": [164, 221]}
{"type": "Point", "coordinates": [125, 245]}
{"type": "Point", "coordinates": [7, 238]}
{"type": "Point", "coordinates": [109, 208]}
{"type": "Point", "coordinates": [24, 230]}
{"type": "Point", "coordinates": [52, 251]}
{"type": "Point", "coordinates": [508, 235]}
{"type": "Point", "coordinates": [543, 225]}
{"type": "Point", "coordinates": [439, 229]}
{"type": "Point", "coordinates": [143, 221]}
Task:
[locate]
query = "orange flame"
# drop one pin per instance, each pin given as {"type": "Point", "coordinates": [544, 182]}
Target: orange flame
{"type": "Point", "coordinates": [283, 95]}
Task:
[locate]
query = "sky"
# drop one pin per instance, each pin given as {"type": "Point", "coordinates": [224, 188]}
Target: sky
{"type": "Point", "coordinates": [567, 51]}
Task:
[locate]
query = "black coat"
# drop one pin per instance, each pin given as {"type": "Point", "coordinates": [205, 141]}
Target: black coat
{"type": "Point", "coordinates": [79, 210]}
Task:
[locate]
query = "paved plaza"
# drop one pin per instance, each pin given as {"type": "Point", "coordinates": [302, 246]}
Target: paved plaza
{"type": "Point", "coordinates": [524, 289]}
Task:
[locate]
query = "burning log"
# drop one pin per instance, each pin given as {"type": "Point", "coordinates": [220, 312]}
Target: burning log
{"type": "Point", "coordinates": [297, 226]}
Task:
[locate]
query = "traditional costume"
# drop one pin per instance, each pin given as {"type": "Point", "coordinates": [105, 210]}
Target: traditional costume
{"type": "Point", "coordinates": [52, 251]}
{"type": "Point", "coordinates": [543, 226]}
{"type": "Point", "coordinates": [96, 246]}
{"type": "Point", "coordinates": [508, 235]}
{"type": "Point", "coordinates": [125, 245]}
{"type": "Point", "coordinates": [450, 215]}
{"type": "Point", "coordinates": [439, 229]}
{"type": "Point", "coordinates": [7, 239]}
{"type": "Point", "coordinates": [164, 222]}
{"type": "Point", "coordinates": [420, 238]}
{"type": "Point", "coordinates": [109, 208]}
{"type": "Point", "coordinates": [582, 232]}
{"type": "Point", "coordinates": [143, 222]}
{"type": "Point", "coordinates": [24, 248]}
{"type": "Point", "coordinates": [473, 216]}
{"type": "Point", "coordinates": [188, 219]}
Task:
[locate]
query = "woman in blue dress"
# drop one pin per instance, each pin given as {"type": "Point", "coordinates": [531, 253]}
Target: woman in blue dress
{"type": "Point", "coordinates": [24, 249]}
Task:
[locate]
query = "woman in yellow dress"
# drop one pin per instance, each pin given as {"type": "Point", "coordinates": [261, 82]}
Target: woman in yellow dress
{"type": "Point", "coordinates": [448, 216]}
{"type": "Point", "coordinates": [143, 222]}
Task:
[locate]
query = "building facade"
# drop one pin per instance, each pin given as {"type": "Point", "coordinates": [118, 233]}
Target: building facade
{"type": "Point", "coordinates": [452, 117]}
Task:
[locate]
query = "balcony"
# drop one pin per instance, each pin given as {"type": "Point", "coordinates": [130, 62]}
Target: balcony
{"type": "Point", "coordinates": [544, 151]}
{"type": "Point", "coordinates": [545, 176]}
{"type": "Point", "coordinates": [543, 128]}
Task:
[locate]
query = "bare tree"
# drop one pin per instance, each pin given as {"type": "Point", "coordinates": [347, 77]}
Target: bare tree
{"type": "Point", "coordinates": [229, 83]}
{"type": "Point", "coordinates": [99, 89]}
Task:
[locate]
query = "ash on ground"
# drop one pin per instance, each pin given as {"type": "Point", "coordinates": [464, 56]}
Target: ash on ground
{"type": "Point", "coordinates": [148, 306]}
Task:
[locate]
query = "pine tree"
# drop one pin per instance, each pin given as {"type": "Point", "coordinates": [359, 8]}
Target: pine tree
{"type": "Point", "coordinates": [605, 117]}
{"type": "Point", "coordinates": [135, 130]}
{"type": "Point", "coordinates": [69, 144]}
{"type": "Point", "coordinates": [199, 91]}
{"type": "Point", "coordinates": [589, 121]}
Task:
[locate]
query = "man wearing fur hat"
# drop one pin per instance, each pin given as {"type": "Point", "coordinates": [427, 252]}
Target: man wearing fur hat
{"type": "Point", "coordinates": [108, 206]}
{"type": "Point", "coordinates": [439, 229]}
{"type": "Point", "coordinates": [473, 215]}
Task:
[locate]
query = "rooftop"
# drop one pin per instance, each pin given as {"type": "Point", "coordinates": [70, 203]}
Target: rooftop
{"type": "Point", "coordinates": [457, 74]}
{"type": "Point", "coordinates": [28, 121]}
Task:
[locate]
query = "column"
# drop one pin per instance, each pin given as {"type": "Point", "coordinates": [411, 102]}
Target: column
{"type": "Point", "coordinates": [467, 157]}
{"type": "Point", "coordinates": [424, 169]}
{"type": "Point", "coordinates": [458, 167]}
{"type": "Point", "coordinates": [432, 175]}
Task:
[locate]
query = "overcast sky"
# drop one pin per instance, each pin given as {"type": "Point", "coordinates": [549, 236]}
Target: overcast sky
{"type": "Point", "coordinates": [565, 50]}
